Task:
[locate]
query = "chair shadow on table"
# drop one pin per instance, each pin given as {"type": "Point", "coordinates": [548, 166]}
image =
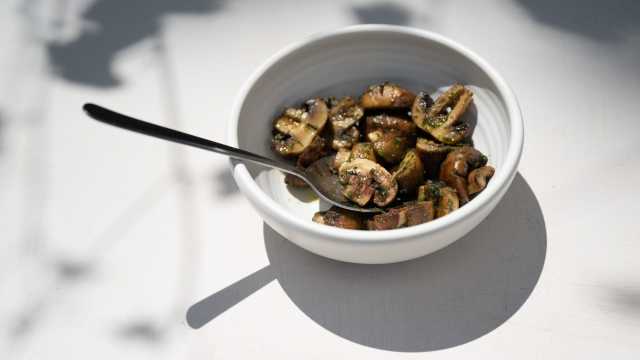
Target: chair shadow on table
{"type": "Point", "coordinates": [435, 302]}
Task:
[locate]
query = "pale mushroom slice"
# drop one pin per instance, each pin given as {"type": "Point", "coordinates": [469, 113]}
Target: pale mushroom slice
{"type": "Point", "coordinates": [363, 150]}
{"type": "Point", "coordinates": [296, 129]}
{"type": "Point", "coordinates": [364, 179]}
{"type": "Point", "coordinates": [443, 118]}
{"type": "Point", "coordinates": [342, 156]}
{"type": "Point", "coordinates": [386, 96]}
{"type": "Point", "coordinates": [409, 174]}
{"type": "Point", "coordinates": [344, 116]}
{"type": "Point", "coordinates": [456, 167]}
{"type": "Point", "coordinates": [391, 136]}
{"type": "Point", "coordinates": [339, 217]}
{"type": "Point", "coordinates": [478, 179]}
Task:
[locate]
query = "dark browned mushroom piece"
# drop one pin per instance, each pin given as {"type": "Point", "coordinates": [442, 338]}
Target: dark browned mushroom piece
{"type": "Point", "coordinates": [296, 129]}
{"type": "Point", "coordinates": [364, 179]}
{"type": "Point", "coordinates": [444, 197]}
{"type": "Point", "coordinates": [478, 179]}
{"type": "Point", "coordinates": [386, 96]}
{"type": "Point", "coordinates": [443, 119]}
{"type": "Point", "coordinates": [391, 136]}
{"type": "Point", "coordinates": [432, 155]}
{"type": "Point", "coordinates": [408, 214]}
{"type": "Point", "coordinates": [344, 116]}
{"type": "Point", "coordinates": [316, 150]}
{"type": "Point", "coordinates": [409, 174]}
{"type": "Point", "coordinates": [456, 168]}
{"type": "Point", "coordinates": [339, 217]}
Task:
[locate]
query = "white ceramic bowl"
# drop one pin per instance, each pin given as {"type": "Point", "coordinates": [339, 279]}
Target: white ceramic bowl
{"type": "Point", "coordinates": [344, 62]}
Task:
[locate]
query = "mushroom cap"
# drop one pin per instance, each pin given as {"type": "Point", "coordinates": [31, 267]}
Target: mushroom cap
{"type": "Point", "coordinates": [443, 118]}
{"type": "Point", "coordinates": [391, 136]}
{"type": "Point", "coordinates": [432, 155]}
{"type": "Point", "coordinates": [408, 214]}
{"type": "Point", "coordinates": [410, 173]}
{"type": "Point", "coordinates": [386, 96]}
{"type": "Point", "coordinates": [456, 167]}
{"type": "Point", "coordinates": [364, 179]}
{"type": "Point", "coordinates": [363, 150]}
{"type": "Point", "coordinates": [478, 179]}
{"type": "Point", "coordinates": [297, 127]}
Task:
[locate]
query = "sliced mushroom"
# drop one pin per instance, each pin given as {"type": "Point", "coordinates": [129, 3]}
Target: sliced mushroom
{"type": "Point", "coordinates": [391, 136]}
{"type": "Point", "coordinates": [432, 155]}
{"type": "Point", "coordinates": [386, 96]}
{"type": "Point", "coordinates": [344, 116]}
{"type": "Point", "coordinates": [339, 217]}
{"type": "Point", "coordinates": [346, 139]}
{"type": "Point", "coordinates": [456, 167]}
{"type": "Point", "coordinates": [363, 150]}
{"type": "Point", "coordinates": [478, 179]}
{"type": "Point", "coordinates": [342, 156]}
{"type": "Point", "coordinates": [443, 119]}
{"type": "Point", "coordinates": [408, 214]}
{"type": "Point", "coordinates": [409, 174]}
{"type": "Point", "coordinates": [445, 197]}
{"type": "Point", "coordinates": [430, 191]}
{"type": "Point", "coordinates": [364, 179]}
{"type": "Point", "coordinates": [296, 128]}
{"type": "Point", "coordinates": [447, 202]}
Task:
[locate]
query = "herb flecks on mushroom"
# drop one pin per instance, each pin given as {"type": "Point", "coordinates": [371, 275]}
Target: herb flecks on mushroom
{"type": "Point", "coordinates": [364, 179]}
{"type": "Point", "coordinates": [443, 118]}
{"type": "Point", "coordinates": [408, 214]}
{"type": "Point", "coordinates": [432, 154]}
{"type": "Point", "coordinates": [296, 129]}
{"type": "Point", "coordinates": [344, 116]}
{"type": "Point", "coordinates": [339, 217]}
{"type": "Point", "coordinates": [444, 197]}
{"type": "Point", "coordinates": [478, 179]}
{"type": "Point", "coordinates": [391, 136]}
{"type": "Point", "coordinates": [409, 174]}
{"type": "Point", "coordinates": [386, 96]}
{"type": "Point", "coordinates": [456, 167]}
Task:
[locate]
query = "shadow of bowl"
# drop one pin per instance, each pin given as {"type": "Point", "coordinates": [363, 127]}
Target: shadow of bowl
{"type": "Point", "coordinates": [435, 302]}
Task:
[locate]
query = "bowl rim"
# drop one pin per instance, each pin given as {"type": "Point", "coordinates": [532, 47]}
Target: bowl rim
{"type": "Point", "coordinates": [503, 176]}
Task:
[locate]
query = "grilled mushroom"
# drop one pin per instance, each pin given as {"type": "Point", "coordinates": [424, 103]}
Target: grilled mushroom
{"type": "Point", "coordinates": [478, 179]}
{"type": "Point", "coordinates": [432, 155]}
{"type": "Point", "coordinates": [410, 173]}
{"type": "Point", "coordinates": [445, 197]}
{"type": "Point", "coordinates": [342, 156]}
{"type": "Point", "coordinates": [343, 117]}
{"type": "Point", "coordinates": [391, 136]}
{"type": "Point", "coordinates": [339, 217]}
{"type": "Point", "coordinates": [364, 179]}
{"type": "Point", "coordinates": [447, 202]}
{"type": "Point", "coordinates": [363, 150]}
{"type": "Point", "coordinates": [442, 119]}
{"type": "Point", "coordinates": [408, 214]}
{"type": "Point", "coordinates": [456, 167]}
{"type": "Point", "coordinates": [296, 128]}
{"type": "Point", "coordinates": [386, 96]}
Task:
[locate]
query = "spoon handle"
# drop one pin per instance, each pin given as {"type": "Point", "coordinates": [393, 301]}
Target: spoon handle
{"type": "Point", "coordinates": [122, 121]}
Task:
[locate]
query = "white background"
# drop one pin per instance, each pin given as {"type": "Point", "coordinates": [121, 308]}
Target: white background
{"type": "Point", "coordinates": [108, 238]}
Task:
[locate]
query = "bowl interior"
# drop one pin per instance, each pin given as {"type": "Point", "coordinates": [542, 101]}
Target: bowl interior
{"type": "Point", "coordinates": [345, 64]}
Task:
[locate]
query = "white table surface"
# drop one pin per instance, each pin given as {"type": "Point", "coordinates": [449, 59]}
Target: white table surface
{"type": "Point", "coordinates": [109, 238]}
